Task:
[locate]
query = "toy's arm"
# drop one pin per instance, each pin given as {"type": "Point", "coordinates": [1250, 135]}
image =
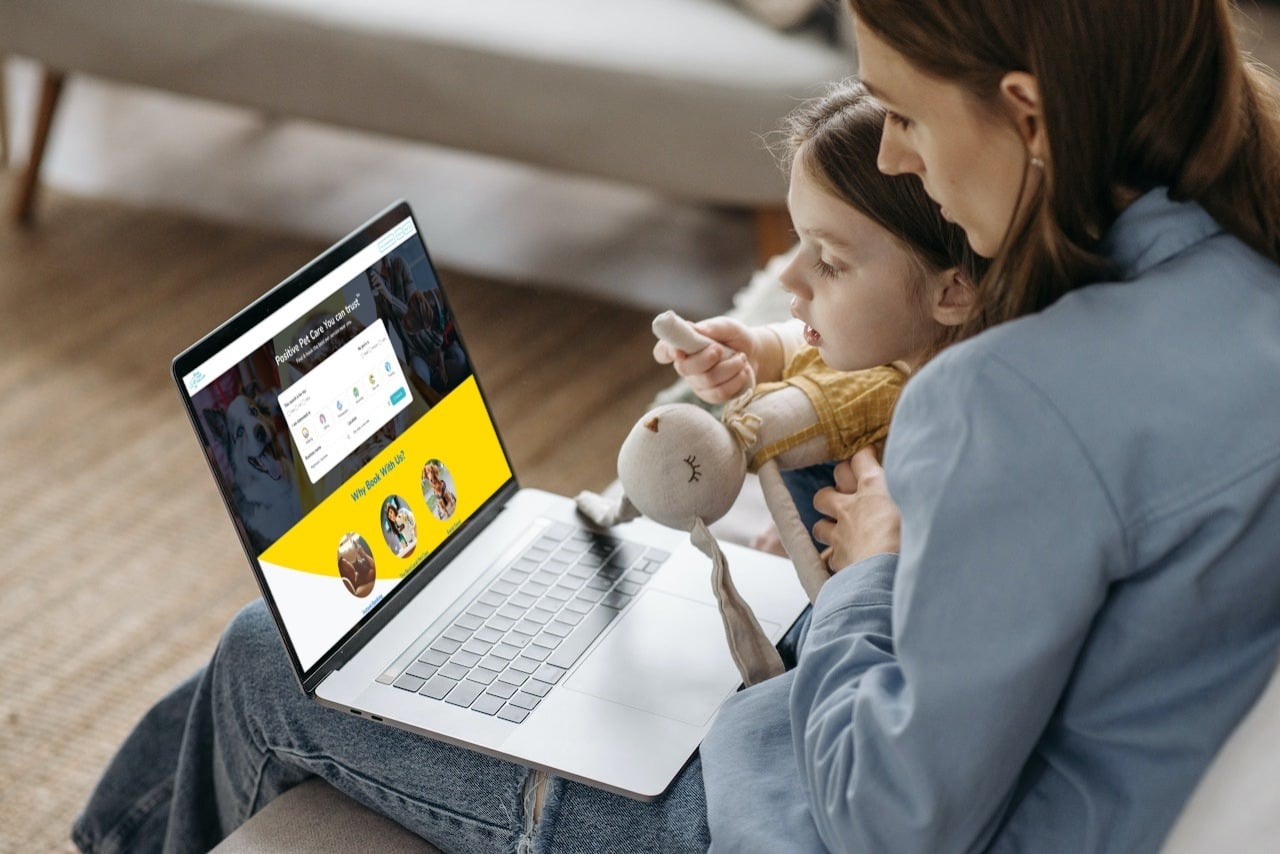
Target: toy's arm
{"type": "Point", "coordinates": [680, 333]}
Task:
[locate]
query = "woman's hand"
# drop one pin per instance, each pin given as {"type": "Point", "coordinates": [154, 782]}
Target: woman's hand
{"type": "Point", "coordinates": [863, 519]}
{"type": "Point", "coordinates": [723, 370]}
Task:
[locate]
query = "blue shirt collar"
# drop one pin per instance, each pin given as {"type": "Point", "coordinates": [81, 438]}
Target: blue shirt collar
{"type": "Point", "coordinates": [1153, 229]}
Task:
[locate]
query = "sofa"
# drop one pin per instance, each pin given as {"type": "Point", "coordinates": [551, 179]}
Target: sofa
{"type": "Point", "coordinates": [669, 95]}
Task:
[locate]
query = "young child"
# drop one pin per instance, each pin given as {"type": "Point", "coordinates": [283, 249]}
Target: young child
{"type": "Point", "coordinates": [879, 277]}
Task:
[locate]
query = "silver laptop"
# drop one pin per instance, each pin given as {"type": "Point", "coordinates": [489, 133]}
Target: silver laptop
{"type": "Point", "coordinates": [413, 581]}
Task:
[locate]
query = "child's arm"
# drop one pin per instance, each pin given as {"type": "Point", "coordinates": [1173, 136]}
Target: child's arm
{"type": "Point", "coordinates": [721, 357]}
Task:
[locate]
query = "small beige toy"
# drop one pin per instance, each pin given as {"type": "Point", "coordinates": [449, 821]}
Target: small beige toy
{"type": "Point", "coordinates": [683, 467]}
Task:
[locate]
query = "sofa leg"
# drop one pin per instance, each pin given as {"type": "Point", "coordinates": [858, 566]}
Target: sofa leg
{"type": "Point", "coordinates": [24, 197]}
{"type": "Point", "coordinates": [773, 233]}
{"type": "Point", "coordinates": [4, 115]}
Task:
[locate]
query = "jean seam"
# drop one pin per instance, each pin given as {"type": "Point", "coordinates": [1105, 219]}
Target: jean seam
{"type": "Point", "coordinates": [119, 837]}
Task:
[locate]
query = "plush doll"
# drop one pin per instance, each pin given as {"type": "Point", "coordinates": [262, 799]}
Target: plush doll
{"type": "Point", "coordinates": [683, 467]}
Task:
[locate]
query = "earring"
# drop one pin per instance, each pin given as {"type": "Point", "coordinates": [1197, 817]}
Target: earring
{"type": "Point", "coordinates": [1037, 162]}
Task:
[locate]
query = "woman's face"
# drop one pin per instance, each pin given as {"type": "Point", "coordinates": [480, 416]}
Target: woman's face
{"type": "Point", "coordinates": [971, 162]}
{"type": "Point", "coordinates": [852, 283]}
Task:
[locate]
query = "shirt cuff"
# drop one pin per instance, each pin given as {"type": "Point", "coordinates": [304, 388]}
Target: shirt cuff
{"type": "Point", "coordinates": [865, 584]}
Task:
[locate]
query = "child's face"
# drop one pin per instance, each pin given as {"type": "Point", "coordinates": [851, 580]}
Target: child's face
{"type": "Point", "coordinates": [852, 283]}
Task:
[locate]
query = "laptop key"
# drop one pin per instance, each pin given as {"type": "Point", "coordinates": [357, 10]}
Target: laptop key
{"type": "Point", "coordinates": [579, 605]}
{"type": "Point", "coordinates": [453, 671]}
{"type": "Point", "coordinates": [476, 647]}
{"type": "Point", "coordinates": [541, 616]}
{"type": "Point", "coordinates": [465, 659]}
{"type": "Point", "coordinates": [513, 677]}
{"type": "Point", "coordinates": [513, 714]}
{"type": "Point", "coordinates": [492, 662]}
{"type": "Point", "coordinates": [546, 640]}
{"type": "Point", "coordinates": [409, 682]}
{"type": "Point", "coordinates": [488, 634]}
{"type": "Point", "coordinates": [448, 647]}
{"type": "Point", "coordinates": [511, 612]}
{"type": "Point", "coordinates": [421, 670]}
{"type": "Point", "coordinates": [559, 628]}
{"type": "Point", "coordinates": [457, 633]}
{"type": "Point", "coordinates": [630, 588]}
{"type": "Point", "coordinates": [484, 677]}
{"type": "Point", "coordinates": [536, 688]}
{"type": "Point", "coordinates": [525, 664]}
{"type": "Point", "coordinates": [502, 690]}
{"type": "Point", "coordinates": [537, 653]}
{"type": "Point", "coordinates": [492, 597]}
{"type": "Point", "coordinates": [434, 657]}
{"type": "Point", "coordinates": [469, 621]}
{"type": "Point", "coordinates": [523, 600]}
{"type": "Point", "coordinates": [525, 700]}
{"type": "Point", "coordinates": [437, 686]}
{"type": "Point", "coordinates": [465, 694]}
{"type": "Point", "coordinates": [615, 599]}
{"type": "Point", "coordinates": [487, 704]}
{"type": "Point", "coordinates": [586, 632]}
{"type": "Point", "coordinates": [502, 624]}
{"type": "Point", "coordinates": [549, 673]}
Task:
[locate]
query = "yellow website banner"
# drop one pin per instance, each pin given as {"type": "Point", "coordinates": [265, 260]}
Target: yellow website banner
{"type": "Point", "coordinates": [405, 501]}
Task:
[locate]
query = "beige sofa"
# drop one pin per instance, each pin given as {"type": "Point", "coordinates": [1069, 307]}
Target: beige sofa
{"type": "Point", "coordinates": [670, 95]}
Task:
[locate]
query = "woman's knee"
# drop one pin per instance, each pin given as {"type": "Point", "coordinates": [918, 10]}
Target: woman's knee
{"type": "Point", "coordinates": [249, 651]}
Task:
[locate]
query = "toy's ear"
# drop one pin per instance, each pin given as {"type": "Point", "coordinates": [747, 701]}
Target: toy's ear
{"type": "Point", "coordinates": [679, 463]}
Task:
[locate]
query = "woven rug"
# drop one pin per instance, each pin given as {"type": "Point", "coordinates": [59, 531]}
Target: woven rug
{"type": "Point", "coordinates": [123, 566]}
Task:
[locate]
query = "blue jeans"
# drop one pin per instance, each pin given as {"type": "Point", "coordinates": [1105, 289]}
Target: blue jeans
{"type": "Point", "coordinates": [240, 732]}
{"type": "Point", "coordinates": [802, 484]}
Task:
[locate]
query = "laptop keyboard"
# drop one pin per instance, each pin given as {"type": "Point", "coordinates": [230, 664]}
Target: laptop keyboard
{"type": "Point", "coordinates": [516, 640]}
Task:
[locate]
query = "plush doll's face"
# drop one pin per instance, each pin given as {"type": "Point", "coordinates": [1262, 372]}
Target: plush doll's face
{"type": "Point", "coordinates": [680, 463]}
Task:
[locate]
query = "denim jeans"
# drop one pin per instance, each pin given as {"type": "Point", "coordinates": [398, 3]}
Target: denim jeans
{"type": "Point", "coordinates": [802, 484]}
{"type": "Point", "coordinates": [240, 732]}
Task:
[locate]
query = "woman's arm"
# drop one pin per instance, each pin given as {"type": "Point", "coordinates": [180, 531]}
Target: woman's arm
{"type": "Point", "coordinates": [911, 732]}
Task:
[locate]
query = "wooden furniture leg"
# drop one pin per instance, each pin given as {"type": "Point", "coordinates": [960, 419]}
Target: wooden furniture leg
{"type": "Point", "coordinates": [4, 116]}
{"type": "Point", "coordinates": [24, 196]}
{"type": "Point", "coordinates": [773, 233]}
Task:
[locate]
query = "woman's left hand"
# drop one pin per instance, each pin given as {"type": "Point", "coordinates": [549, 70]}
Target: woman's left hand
{"type": "Point", "coordinates": [862, 519]}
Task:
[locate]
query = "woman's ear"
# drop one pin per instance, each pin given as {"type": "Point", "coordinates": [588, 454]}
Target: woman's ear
{"type": "Point", "coordinates": [1020, 92]}
{"type": "Point", "coordinates": [953, 297]}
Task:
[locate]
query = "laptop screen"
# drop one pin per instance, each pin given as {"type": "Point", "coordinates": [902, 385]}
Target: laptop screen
{"type": "Point", "coordinates": [346, 429]}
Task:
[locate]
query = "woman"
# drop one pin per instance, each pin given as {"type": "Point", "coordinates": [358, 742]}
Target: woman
{"type": "Point", "coordinates": [1088, 498]}
{"type": "Point", "coordinates": [1086, 600]}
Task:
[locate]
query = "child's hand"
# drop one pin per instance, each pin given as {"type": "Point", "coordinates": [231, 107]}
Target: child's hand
{"type": "Point", "coordinates": [722, 370]}
{"type": "Point", "coordinates": [863, 518]}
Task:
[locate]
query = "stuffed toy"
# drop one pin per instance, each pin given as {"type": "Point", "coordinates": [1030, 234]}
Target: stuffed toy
{"type": "Point", "coordinates": [683, 467]}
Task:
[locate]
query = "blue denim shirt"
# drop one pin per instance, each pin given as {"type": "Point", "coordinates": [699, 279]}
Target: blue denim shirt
{"type": "Point", "coordinates": [1088, 594]}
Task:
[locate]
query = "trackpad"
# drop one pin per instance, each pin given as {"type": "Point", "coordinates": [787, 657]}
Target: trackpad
{"type": "Point", "coordinates": [667, 656]}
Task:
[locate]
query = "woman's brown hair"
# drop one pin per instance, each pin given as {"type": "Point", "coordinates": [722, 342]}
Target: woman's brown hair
{"type": "Point", "coordinates": [836, 138]}
{"type": "Point", "coordinates": [1136, 94]}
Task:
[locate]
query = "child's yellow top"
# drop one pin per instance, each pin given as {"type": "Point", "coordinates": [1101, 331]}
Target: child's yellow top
{"type": "Point", "coordinates": [853, 407]}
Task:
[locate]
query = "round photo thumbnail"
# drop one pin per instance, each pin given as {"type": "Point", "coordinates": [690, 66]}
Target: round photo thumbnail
{"type": "Point", "coordinates": [438, 490]}
{"type": "Point", "coordinates": [355, 564]}
{"type": "Point", "coordinates": [399, 528]}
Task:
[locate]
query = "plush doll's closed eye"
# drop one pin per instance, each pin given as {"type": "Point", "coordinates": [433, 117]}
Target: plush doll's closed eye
{"type": "Point", "coordinates": [684, 468]}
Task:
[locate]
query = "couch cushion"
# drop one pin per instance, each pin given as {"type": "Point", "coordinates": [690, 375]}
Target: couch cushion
{"type": "Point", "coordinates": [314, 817]}
{"type": "Point", "coordinates": [669, 94]}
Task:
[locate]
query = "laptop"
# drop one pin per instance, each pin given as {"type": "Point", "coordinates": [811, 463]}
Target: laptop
{"type": "Point", "coordinates": [413, 581]}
